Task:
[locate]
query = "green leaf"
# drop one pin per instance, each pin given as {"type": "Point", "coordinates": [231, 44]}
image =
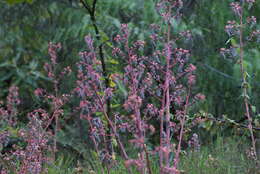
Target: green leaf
{"type": "Point", "coordinates": [40, 75]}
{"type": "Point", "coordinates": [21, 73]}
{"type": "Point", "coordinates": [233, 42]}
{"type": "Point", "coordinates": [12, 2]}
{"type": "Point", "coordinates": [33, 65]}
{"type": "Point", "coordinates": [1, 147]}
{"type": "Point", "coordinates": [114, 142]}
{"type": "Point", "coordinates": [99, 113]}
{"type": "Point", "coordinates": [228, 41]}
{"type": "Point", "coordinates": [6, 76]}
{"type": "Point", "coordinates": [104, 37]}
{"type": "Point", "coordinates": [6, 64]}
{"type": "Point", "coordinates": [243, 95]}
{"type": "Point", "coordinates": [109, 44]}
{"type": "Point", "coordinates": [253, 109]}
{"type": "Point", "coordinates": [207, 125]}
{"type": "Point", "coordinates": [113, 61]}
{"type": "Point", "coordinates": [115, 105]}
{"type": "Point", "coordinates": [121, 88]}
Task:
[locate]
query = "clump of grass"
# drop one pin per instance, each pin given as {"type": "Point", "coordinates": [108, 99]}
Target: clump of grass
{"type": "Point", "coordinates": [225, 155]}
{"type": "Point", "coordinates": [62, 165]}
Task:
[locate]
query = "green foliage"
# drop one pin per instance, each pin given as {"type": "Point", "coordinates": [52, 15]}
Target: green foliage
{"type": "Point", "coordinates": [223, 156]}
{"type": "Point", "coordinates": [22, 55]}
{"type": "Point", "coordinates": [28, 25]}
{"type": "Point", "coordinates": [63, 165]}
{"type": "Point", "coordinates": [218, 78]}
{"type": "Point", "coordinates": [12, 2]}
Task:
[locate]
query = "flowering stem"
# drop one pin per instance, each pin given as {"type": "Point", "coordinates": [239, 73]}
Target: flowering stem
{"type": "Point", "coordinates": [161, 131]}
{"type": "Point", "coordinates": [244, 83]}
{"type": "Point", "coordinates": [95, 142]}
{"type": "Point", "coordinates": [111, 124]}
{"type": "Point", "coordinates": [113, 128]}
{"type": "Point", "coordinates": [167, 107]}
{"type": "Point", "coordinates": [147, 160]}
{"type": "Point", "coordinates": [182, 129]}
{"type": "Point", "coordinates": [91, 12]}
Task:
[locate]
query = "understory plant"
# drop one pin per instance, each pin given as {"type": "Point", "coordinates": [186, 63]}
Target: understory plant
{"type": "Point", "coordinates": [242, 32]}
{"type": "Point", "coordinates": [154, 94]}
{"type": "Point", "coordinates": [28, 146]}
{"type": "Point", "coordinates": [54, 97]}
{"type": "Point", "coordinates": [149, 98]}
{"type": "Point", "coordinates": [33, 144]}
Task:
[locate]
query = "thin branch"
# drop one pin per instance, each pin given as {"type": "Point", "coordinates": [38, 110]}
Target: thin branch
{"type": "Point", "coordinates": [244, 86]}
{"type": "Point", "coordinates": [148, 160]}
{"type": "Point", "coordinates": [224, 74]}
{"type": "Point", "coordinates": [86, 6]}
{"type": "Point", "coordinates": [101, 52]}
{"type": "Point", "coordinates": [218, 71]}
{"type": "Point", "coordinates": [177, 158]}
{"type": "Point", "coordinates": [111, 124]}
{"type": "Point", "coordinates": [233, 123]}
{"type": "Point", "coordinates": [94, 7]}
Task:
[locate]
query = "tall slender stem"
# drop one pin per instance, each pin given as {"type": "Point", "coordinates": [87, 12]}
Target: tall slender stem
{"type": "Point", "coordinates": [177, 158]}
{"type": "Point", "coordinates": [92, 11]}
{"type": "Point", "coordinates": [244, 83]}
{"type": "Point", "coordinates": [167, 107]}
{"type": "Point", "coordinates": [161, 114]}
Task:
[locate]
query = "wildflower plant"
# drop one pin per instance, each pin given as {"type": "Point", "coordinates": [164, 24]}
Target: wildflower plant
{"type": "Point", "coordinates": [241, 32]}
{"type": "Point", "coordinates": [9, 110]}
{"type": "Point", "coordinates": [27, 153]}
{"type": "Point", "coordinates": [93, 96]}
{"type": "Point", "coordinates": [157, 86]}
{"type": "Point", "coordinates": [30, 154]}
{"type": "Point", "coordinates": [8, 124]}
{"type": "Point", "coordinates": [54, 98]}
{"type": "Point", "coordinates": [34, 156]}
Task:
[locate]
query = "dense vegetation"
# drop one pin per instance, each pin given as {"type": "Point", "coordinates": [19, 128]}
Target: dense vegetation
{"type": "Point", "coordinates": [129, 86]}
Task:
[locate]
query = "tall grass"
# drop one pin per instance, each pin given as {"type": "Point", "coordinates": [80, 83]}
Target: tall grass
{"type": "Point", "coordinates": [223, 156]}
